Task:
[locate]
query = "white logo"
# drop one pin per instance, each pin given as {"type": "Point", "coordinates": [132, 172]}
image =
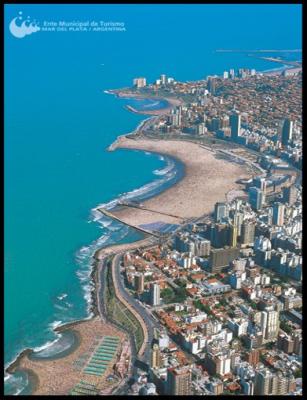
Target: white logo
{"type": "Point", "coordinates": [24, 29]}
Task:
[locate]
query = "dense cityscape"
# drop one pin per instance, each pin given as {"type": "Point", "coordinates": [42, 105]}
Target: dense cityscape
{"type": "Point", "coordinates": [153, 200]}
{"type": "Point", "coordinates": [209, 300]}
{"type": "Point", "coordinates": [224, 291]}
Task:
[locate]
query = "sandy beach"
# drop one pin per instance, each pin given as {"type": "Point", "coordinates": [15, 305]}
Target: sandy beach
{"type": "Point", "coordinates": [207, 180]}
{"type": "Point", "coordinates": [110, 250]}
{"type": "Point", "coordinates": [58, 376]}
{"type": "Point", "coordinates": [172, 102]}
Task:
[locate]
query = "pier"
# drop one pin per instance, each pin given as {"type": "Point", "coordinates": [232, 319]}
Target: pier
{"type": "Point", "coordinates": [141, 207]}
{"type": "Point", "coordinates": [297, 64]}
{"type": "Point", "coordinates": [110, 215]}
{"type": "Point", "coordinates": [113, 146]}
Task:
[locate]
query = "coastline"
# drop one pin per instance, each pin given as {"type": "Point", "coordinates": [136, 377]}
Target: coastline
{"type": "Point", "coordinates": [33, 381]}
{"type": "Point", "coordinates": [59, 374]}
{"type": "Point", "coordinates": [171, 101]}
{"type": "Point", "coordinates": [15, 365]}
{"type": "Point", "coordinates": [203, 170]}
{"type": "Point", "coordinates": [279, 70]}
{"type": "Point", "coordinates": [156, 200]}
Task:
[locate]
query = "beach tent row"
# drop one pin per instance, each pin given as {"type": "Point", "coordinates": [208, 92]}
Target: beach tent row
{"type": "Point", "coordinates": [84, 388]}
{"type": "Point", "coordinates": [103, 355]}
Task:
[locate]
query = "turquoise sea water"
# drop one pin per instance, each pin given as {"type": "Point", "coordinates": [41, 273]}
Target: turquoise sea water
{"type": "Point", "coordinates": [58, 123]}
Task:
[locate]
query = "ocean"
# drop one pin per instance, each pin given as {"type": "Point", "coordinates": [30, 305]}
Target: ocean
{"type": "Point", "coordinates": [59, 122]}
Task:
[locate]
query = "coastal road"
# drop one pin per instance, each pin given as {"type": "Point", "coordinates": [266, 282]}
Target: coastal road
{"type": "Point", "coordinates": [239, 157]}
{"type": "Point", "coordinates": [144, 314]}
{"type": "Point", "coordinates": [101, 288]}
{"type": "Point", "coordinates": [102, 265]}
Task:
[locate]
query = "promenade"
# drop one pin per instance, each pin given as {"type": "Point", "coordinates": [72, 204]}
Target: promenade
{"type": "Point", "coordinates": [115, 254]}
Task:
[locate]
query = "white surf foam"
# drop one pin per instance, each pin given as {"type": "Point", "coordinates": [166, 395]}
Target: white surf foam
{"type": "Point", "coordinates": [169, 167]}
{"type": "Point", "coordinates": [113, 232]}
{"type": "Point", "coordinates": [17, 383]}
{"type": "Point", "coordinates": [12, 362]}
{"type": "Point", "coordinates": [151, 104]}
{"type": "Point", "coordinates": [62, 296]}
{"type": "Point", "coordinates": [47, 344]}
{"type": "Point", "coordinates": [105, 222]}
{"type": "Point", "coordinates": [61, 308]}
{"type": "Point", "coordinates": [168, 172]}
{"type": "Point", "coordinates": [69, 305]}
{"type": "Point", "coordinates": [55, 324]}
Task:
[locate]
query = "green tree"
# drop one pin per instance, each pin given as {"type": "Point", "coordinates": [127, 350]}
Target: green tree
{"type": "Point", "coordinates": [253, 305]}
{"type": "Point", "coordinates": [202, 307]}
{"type": "Point", "coordinates": [285, 327]}
{"type": "Point", "coordinates": [167, 295]}
{"type": "Point", "coordinates": [298, 373]}
{"type": "Point", "coordinates": [180, 294]}
{"type": "Point", "coordinates": [223, 301]}
{"type": "Point", "coordinates": [180, 282]}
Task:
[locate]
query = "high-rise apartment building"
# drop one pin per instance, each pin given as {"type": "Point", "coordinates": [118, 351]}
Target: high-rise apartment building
{"type": "Point", "coordinates": [215, 124]}
{"type": "Point", "coordinates": [270, 383]}
{"type": "Point", "coordinates": [220, 258]}
{"type": "Point", "coordinates": [139, 82]}
{"type": "Point", "coordinates": [233, 235]}
{"type": "Point", "coordinates": [154, 294]}
{"type": "Point", "coordinates": [202, 246]}
{"type": "Point", "coordinates": [286, 133]}
{"type": "Point", "coordinates": [155, 357]}
{"type": "Point", "coordinates": [220, 211]}
{"type": "Point", "coordinates": [238, 218]}
{"type": "Point", "coordinates": [235, 124]}
{"type": "Point", "coordinates": [139, 282]}
{"type": "Point", "coordinates": [211, 85]}
{"type": "Point", "coordinates": [248, 233]}
{"type": "Point", "coordinates": [269, 324]}
{"type": "Point", "coordinates": [220, 235]}
{"type": "Point", "coordinates": [252, 356]}
{"type": "Point", "coordinates": [163, 79]}
{"type": "Point", "coordinates": [265, 382]}
{"type": "Point", "coordinates": [285, 343]}
{"type": "Point", "coordinates": [289, 194]}
{"type": "Point", "coordinates": [278, 214]}
{"type": "Point", "coordinates": [232, 73]}
{"type": "Point", "coordinates": [179, 381]}
{"type": "Point", "coordinates": [260, 183]}
{"type": "Point", "coordinates": [256, 198]}
{"type": "Point", "coordinates": [218, 363]}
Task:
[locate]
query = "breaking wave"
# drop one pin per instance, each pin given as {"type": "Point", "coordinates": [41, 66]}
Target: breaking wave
{"type": "Point", "coordinates": [112, 232]}
{"type": "Point", "coordinates": [170, 174]}
{"type": "Point", "coordinates": [15, 383]}
{"type": "Point", "coordinates": [166, 170]}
